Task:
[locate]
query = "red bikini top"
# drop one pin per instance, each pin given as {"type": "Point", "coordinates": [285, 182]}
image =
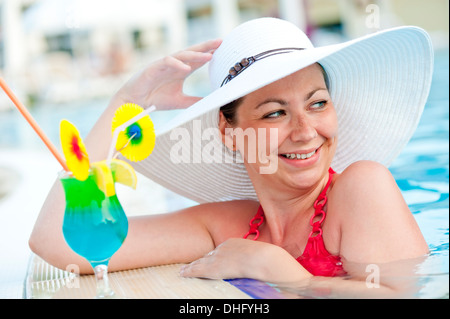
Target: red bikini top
{"type": "Point", "coordinates": [315, 258]}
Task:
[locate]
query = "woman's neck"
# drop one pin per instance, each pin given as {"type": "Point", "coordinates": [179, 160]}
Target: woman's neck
{"type": "Point", "coordinates": [287, 210]}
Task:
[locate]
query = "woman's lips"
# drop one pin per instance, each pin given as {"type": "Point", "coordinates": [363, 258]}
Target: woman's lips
{"type": "Point", "coordinates": [301, 158]}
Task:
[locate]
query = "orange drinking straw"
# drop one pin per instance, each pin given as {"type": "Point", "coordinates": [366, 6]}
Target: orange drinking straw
{"type": "Point", "coordinates": [33, 123]}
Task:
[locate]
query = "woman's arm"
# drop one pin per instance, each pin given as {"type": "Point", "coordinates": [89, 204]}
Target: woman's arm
{"type": "Point", "coordinates": [243, 258]}
{"type": "Point", "coordinates": [158, 84]}
{"type": "Point", "coordinates": [152, 240]}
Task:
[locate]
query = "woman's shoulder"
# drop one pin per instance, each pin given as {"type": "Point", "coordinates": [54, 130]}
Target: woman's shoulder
{"type": "Point", "coordinates": [226, 219]}
{"type": "Point", "coordinates": [373, 218]}
{"type": "Point", "coordinates": [362, 185]}
{"type": "Point", "coordinates": [217, 212]}
{"type": "Point", "coordinates": [364, 170]}
{"type": "Point", "coordinates": [363, 175]}
{"type": "Point", "coordinates": [225, 207]}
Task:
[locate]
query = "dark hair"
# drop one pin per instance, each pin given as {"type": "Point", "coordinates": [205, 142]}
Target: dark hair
{"type": "Point", "coordinates": [229, 110]}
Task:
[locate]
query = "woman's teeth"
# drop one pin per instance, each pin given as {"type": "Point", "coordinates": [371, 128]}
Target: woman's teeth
{"type": "Point", "coordinates": [299, 156]}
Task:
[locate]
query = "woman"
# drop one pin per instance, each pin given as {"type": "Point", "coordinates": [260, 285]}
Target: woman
{"type": "Point", "coordinates": [305, 112]}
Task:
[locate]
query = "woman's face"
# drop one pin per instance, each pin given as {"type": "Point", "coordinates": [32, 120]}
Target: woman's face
{"type": "Point", "coordinates": [300, 109]}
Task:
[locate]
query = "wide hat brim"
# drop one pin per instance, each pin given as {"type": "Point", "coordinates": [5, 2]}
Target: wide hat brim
{"type": "Point", "coordinates": [379, 85]}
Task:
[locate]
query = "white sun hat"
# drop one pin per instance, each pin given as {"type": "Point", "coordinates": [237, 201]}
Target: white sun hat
{"type": "Point", "coordinates": [379, 85]}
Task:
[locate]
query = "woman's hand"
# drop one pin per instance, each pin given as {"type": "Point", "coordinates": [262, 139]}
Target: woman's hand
{"type": "Point", "coordinates": [161, 83]}
{"type": "Point", "coordinates": [242, 258]}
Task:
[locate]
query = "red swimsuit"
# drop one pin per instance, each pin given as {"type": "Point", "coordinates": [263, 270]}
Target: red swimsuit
{"type": "Point", "coordinates": [315, 258]}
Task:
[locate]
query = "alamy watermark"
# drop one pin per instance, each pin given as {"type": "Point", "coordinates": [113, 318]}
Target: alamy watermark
{"type": "Point", "coordinates": [72, 280]}
{"type": "Point", "coordinates": [373, 17]}
{"type": "Point", "coordinates": [373, 278]}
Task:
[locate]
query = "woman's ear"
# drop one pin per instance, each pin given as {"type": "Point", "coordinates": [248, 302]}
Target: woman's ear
{"type": "Point", "coordinates": [226, 130]}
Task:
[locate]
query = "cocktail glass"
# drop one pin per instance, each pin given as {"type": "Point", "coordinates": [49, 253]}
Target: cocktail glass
{"type": "Point", "coordinates": [94, 226]}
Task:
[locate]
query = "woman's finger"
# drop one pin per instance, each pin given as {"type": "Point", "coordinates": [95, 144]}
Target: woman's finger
{"type": "Point", "coordinates": [193, 56]}
{"type": "Point", "coordinates": [206, 46]}
{"type": "Point", "coordinates": [194, 269]}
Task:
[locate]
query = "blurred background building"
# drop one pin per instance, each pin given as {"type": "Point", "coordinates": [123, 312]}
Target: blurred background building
{"type": "Point", "coordinates": [66, 50]}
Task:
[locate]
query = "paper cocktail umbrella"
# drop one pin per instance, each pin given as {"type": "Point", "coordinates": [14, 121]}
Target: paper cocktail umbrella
{"type": "Point", "coordinates": [74, 150]}
{"type": "Point", "coordinates": [137, 140]}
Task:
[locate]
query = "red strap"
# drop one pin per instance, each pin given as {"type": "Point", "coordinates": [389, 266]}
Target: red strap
{"type": "Point", "coordinates": [318, 208]}
{"type": "Point", "coordinates": [255, 223]}
{"type": "Point", "coordinates": [320, 202]}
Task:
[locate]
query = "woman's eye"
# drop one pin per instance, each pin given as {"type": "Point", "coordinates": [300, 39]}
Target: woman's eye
{"type": "Point", "coordinates": [274, 114]}
{"type": "Point", "coordinates": [319, 105]}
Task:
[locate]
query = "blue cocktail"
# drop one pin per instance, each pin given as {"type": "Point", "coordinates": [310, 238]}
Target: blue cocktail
{"type": "Point", "coordinates": [94, 226]}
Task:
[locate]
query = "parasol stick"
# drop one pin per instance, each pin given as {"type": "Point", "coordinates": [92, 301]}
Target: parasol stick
{"type": "Point", "coordinates": [26, 114]}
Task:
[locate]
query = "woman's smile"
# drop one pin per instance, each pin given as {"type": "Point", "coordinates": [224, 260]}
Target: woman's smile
{"type": "Point", "coordinates": [301, 158]}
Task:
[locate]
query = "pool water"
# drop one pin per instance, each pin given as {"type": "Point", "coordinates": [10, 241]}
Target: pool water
{"type": "Point", "coordinates": [422, 173]}
{"type": "Point", "coordinates": [422, 169]}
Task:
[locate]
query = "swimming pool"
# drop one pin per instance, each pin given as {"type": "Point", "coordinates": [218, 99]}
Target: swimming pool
{"type": "Point", "coordinates": [421, 171]}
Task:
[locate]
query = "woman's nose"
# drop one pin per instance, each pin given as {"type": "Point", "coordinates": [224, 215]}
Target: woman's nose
{"type": "Point", "coordinates": [303, 130]}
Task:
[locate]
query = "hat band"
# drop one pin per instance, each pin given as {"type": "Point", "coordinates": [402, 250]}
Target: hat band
{"type": "Point", "coordinates": [246, 62]}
